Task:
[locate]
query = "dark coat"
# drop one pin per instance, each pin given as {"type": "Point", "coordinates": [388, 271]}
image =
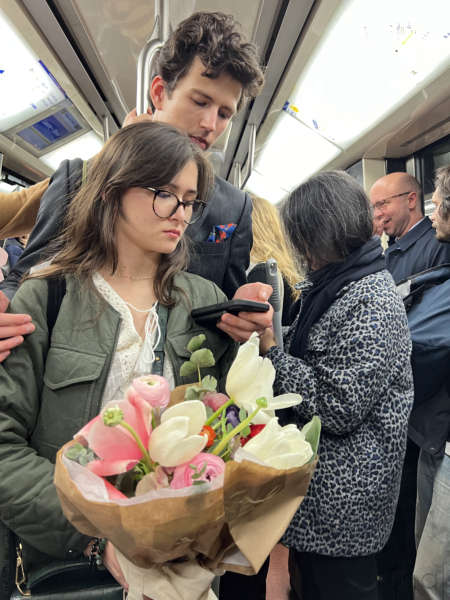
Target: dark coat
{"type": "Point", "coordinates": [428, 306]}
{"type": "Point", "coordinates": [415, 252]}
{"type": "Point", "coordinates": [223, 263]}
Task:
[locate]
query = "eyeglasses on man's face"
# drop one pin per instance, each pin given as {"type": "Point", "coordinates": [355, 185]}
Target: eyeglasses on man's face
{"type": "Point", "coordinates": [166, 204]}
{"type": "Point", "coordinates": [386, 201]}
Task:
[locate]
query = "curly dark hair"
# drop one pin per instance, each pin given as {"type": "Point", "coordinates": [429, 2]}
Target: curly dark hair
{"type": "Point", "coordinates": [216, 39]}
{"type": "Point", "coordinates": [442, 185]}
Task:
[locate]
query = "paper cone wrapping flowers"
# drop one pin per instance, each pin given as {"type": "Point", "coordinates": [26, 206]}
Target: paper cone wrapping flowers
{"type": "Point", "coordinates": [232, 527]}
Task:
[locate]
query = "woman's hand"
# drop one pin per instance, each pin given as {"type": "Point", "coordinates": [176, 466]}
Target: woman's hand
{"type": "Point", "coordinates": [266, 341]}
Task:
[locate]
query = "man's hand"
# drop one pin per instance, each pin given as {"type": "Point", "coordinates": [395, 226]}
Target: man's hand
{"type": "Point", "coordinates": [12, 328]}
{"type": "Point", "coordinates": [241, 327]}
{"type": "Point", "coordinates": [132, 117]}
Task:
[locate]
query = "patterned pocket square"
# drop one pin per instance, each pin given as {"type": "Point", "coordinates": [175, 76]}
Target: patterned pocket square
{"type": "Point", "coordinates": [220, 233]}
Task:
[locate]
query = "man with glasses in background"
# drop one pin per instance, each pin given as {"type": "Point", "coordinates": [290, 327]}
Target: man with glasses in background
{"type": "Point", "coordinates": [413, 248]}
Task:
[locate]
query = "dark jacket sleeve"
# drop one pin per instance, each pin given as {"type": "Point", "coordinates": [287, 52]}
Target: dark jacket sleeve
{"type": "Point", "coordinates": [223, 262]}
{"type": "Point", "coordinates": [241, 245]}
{"type": "Point", "coordinates": [29, 504]}
{"type": "Point", "coordinates": [49, 222]}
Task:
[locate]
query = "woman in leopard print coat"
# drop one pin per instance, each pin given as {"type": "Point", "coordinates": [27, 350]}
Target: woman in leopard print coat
{"type": "Point", "coordinates": [348, 354]}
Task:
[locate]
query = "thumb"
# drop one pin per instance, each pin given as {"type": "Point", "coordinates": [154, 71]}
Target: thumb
{"type": "Point", "coordinates": [4, 302]}
{"type": "Point", "coordinates": [264, 292]}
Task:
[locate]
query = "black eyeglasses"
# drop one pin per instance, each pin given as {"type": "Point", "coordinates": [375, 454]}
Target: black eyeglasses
{"type": "Point", "coordinates": [165, 205]}
{"type": "Point", "coordinates": [381, 203]}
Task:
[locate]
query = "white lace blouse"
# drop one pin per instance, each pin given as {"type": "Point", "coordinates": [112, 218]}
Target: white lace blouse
{"type": "Point", "coordinates": [133, 355]}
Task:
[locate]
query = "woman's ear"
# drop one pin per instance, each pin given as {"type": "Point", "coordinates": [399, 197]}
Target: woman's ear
{"type": "Point", "coordinates": [158, 92]}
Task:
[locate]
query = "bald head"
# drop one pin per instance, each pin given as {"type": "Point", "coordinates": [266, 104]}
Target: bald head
{"type": "Point", "coordinates": [396, 203]}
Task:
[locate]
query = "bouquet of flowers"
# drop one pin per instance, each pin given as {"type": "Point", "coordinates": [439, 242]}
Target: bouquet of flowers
{"type": "Point", "coordinates": [190, 484]}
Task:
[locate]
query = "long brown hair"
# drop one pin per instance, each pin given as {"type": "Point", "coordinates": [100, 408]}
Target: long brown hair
{"type": "Point", "coordinates": [270, 241]}
{"type": "Point", "coordinates": [146, 154]}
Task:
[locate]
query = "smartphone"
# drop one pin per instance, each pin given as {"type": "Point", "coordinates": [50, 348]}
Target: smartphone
{"type": "Point", "coordinates": [209, 315]}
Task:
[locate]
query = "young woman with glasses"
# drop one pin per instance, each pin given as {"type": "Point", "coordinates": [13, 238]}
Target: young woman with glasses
{"type": "Point", "coordinates": [125, 312]}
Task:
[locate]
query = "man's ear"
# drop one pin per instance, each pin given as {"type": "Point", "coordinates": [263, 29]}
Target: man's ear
{"type": "Point", "coordinates": [158, 92]}
{"type": "Point", "coordinates": [412, 200]}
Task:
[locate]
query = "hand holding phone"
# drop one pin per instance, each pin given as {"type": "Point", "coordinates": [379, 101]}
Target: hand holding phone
{"type": "Point", "coordinates": [209, 315]}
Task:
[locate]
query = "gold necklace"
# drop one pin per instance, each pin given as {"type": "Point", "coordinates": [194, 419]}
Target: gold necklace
{"type": "Point", "coordinates": [134, 278]}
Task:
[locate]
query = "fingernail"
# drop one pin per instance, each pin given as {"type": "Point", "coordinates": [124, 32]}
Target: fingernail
{"type": "Point", "coordinates": [29, 328]}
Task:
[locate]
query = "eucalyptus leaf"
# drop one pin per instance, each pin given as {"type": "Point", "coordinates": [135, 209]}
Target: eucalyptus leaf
{"type": "Point", "coordinates": [209, 412]}
{"type": "Point", "coordinates": [202, 358]}
{"type": "Point", "coordinates": [188, 368]}
{"type": "Point", "coordinates": [196, 342]}
{"type": "Point", "coordinates": [209, 383]}
{"type": "Point", "coordinates": [246, 431]}
{"type": "Point", "coordinates": [192, 393]}
{"type": "Point", "coordinates": [201, 482]}
{"type": "Point", "coordinates": [73, 452]}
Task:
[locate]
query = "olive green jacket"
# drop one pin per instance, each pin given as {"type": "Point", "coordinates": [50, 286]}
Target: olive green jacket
{"type": "Point", "coordinates": [49, 391]}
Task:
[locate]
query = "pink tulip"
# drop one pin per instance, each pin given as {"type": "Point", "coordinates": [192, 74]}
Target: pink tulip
{"type": "Point", "coordinates": [182, 476]}
{"type": "Point", "coordinates": [214, 400]}
{"type": "Point", "coordinates": [153, 389]}
{"type": "Point", "coordinates": [115, 446]}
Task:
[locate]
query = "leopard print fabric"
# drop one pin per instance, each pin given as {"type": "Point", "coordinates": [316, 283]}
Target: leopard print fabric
{"type": "Point", "coordinates": [356, 376]}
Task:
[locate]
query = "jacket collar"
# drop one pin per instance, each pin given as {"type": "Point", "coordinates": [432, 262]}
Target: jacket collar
{"type": "Point", "coordinates": [410, 238]}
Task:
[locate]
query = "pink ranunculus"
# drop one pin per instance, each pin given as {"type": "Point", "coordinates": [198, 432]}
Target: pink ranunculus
{"type": "Point", "coordinates": [182, 476]}
{"type": "Point", "coordinates": [214, 400]}
{"type": "Point", "coordinates": [115, 446]}
{"type": "Point", "coordinates": [154, 389]}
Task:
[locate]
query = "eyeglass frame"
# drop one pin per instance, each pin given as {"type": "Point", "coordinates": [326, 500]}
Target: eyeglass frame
{"type": "Point", "coordinates": [379, 205]}
{"type": "Point", "coordinates": [179, 203]}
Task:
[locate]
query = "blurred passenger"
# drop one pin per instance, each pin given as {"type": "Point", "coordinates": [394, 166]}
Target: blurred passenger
{"type": "Point", "coordinates": [269, 241]}
{"type": "Point", "coordinates": [413, 248]}
{"type": "Point", "coordinates": [15, 247]}
{"type": "Point", "coordinates": [126, 302]}
{"type": "Point", "coordinates": [396, 202]}
{"type": "Point", "coordinates": [429, 426]}
{"type": "Point", "coordinates": [18, 209]}
{"type": "Point", "coordinates": [205, 72]}
{"type": "Point", "coordinates": [348, 354]}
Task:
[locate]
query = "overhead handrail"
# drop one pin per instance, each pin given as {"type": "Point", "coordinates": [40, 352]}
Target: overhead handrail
{"type": "Point", "coordinates": [159, 35]}
{"type": "Point", "coordinates": [238, 179]}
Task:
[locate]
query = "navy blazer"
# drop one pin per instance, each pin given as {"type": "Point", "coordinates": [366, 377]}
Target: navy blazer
{"type": "Point", "coordinates": [415, 252]}
{"type": "Point", "coordinates": [224, 263]}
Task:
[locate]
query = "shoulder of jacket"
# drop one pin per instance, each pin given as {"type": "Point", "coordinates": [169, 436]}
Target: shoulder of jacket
{"type": "Point", "coordinates": [225, 187]}
{"type": "Point", "coordinates": [197, 287]}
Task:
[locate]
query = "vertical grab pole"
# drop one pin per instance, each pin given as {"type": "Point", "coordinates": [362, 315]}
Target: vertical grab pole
{"type": "Point", "coordinates": [251, 155]}
{"type": "Point", "coordinates": [161, 30]}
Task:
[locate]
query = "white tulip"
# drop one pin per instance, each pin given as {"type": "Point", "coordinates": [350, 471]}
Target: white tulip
{"type": "Point", "coordinates": [176, 440]}
{"type": "Point", "coordinates": [280, 447]}
{"type": "Point", "coordinates": [251, 377]}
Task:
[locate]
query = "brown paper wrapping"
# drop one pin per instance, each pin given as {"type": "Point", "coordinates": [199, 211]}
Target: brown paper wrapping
{"type": "Point", "coordinates": [250, 513]}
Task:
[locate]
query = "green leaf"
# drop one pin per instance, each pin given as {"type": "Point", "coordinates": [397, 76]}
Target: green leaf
{"type": "Point", "coordinates": [199, 482]}
{"type": "Point", "coordinates": [209, 383]}
{"type": "Point", "coordinates": [312, 433]}
{"type": "Point", "coordinates": [187, 368]}
{"type": "Point", "coordinates": [192, 393]}
{"type": "Point", "coordinates": [203, 358]}
{"type": "Point", "coordinates": [229, 427]}
{"type": "Point", "coordinates": [196, 342]}
{"type": "Point", "coordinates": [73, 452]}
{"type": "Point", "coordinates": [209, 412]}
{"type": "Point", "coordinates": [246, 431]}
{"type": "Point", "coordinates": [242, 414]}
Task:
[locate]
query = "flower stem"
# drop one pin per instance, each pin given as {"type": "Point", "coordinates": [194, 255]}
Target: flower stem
{"type": "Point", "coordinates": [219, 411]}
{"type": "Point", "coordinates": [199, 375]}
{"type": "Point", "coordinates": [145, 455]}
{"type": "Point", "coordinates": [227, 438]}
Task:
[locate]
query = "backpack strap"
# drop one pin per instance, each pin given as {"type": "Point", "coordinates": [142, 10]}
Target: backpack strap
{"type": "Point", "coordinates": [56, 292]}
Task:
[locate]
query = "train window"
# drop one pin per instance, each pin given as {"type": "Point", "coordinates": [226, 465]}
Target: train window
{"type": "Point", "coordinates": [369, 59]}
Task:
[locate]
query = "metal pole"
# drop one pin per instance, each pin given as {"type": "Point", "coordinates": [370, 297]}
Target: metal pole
{"type": "Point", "coordinates": [106, 132]}
{"type": "Point", "coordinates": [161, 30]}
{"type": "Point", "coordinates": [251, 155]}
{"type": "Point", "coordinates": [236, 175]}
